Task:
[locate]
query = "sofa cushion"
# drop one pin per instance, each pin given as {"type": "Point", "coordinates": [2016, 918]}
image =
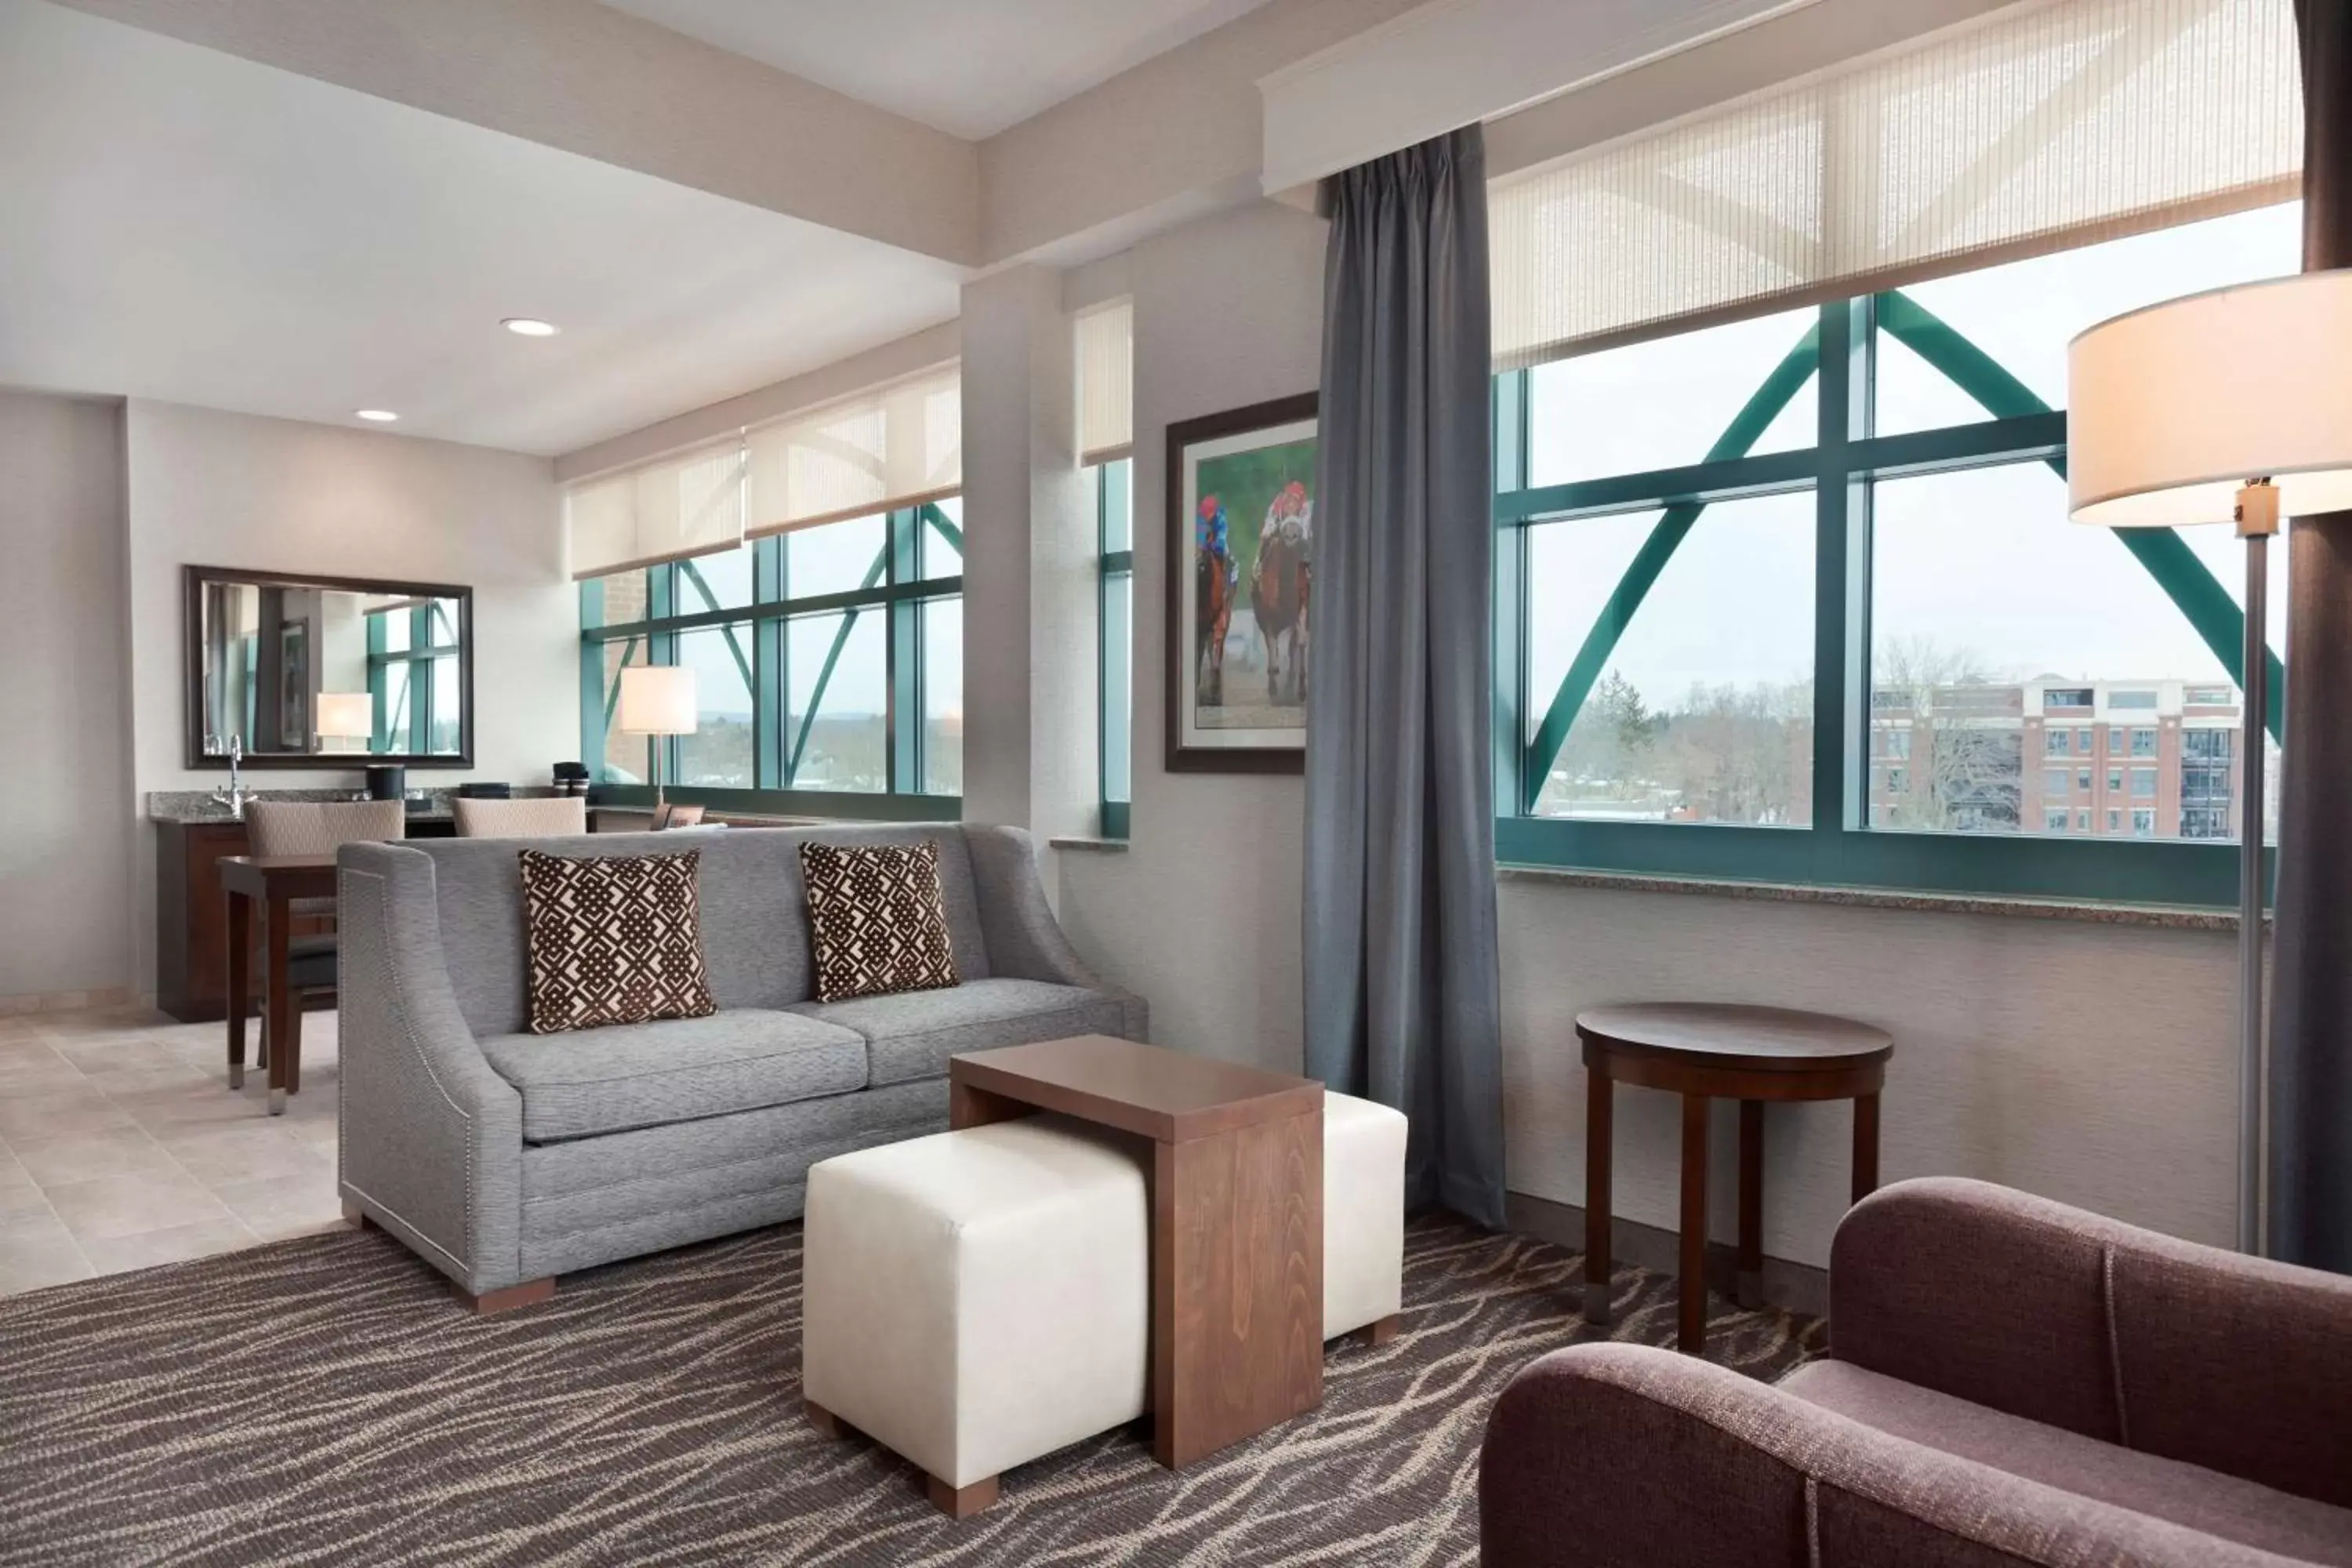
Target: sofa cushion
{"type": "Point", "coordinates": [877, 919]}
{"type": "Point", "coordinates": [613, 938]}
{"type": "Point", "coordinates": [911, 1035]}
{"type": "Point", "coordinates": [674, 1070]}
{"type": "Point", "coordinates": [2188, 1495]}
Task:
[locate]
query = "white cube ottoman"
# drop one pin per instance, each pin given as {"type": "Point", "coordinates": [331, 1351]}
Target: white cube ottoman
{"type": "Point", "coordinates": [975, 1300]}
{"type": "Point", "coordinates": [1363, 1218]}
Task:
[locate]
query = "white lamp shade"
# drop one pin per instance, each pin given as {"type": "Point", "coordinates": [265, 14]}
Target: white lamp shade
{"type": "Point", "coordinates": [346, 713]}
{"type": "Point", "coordinates": [656, 700]}
{"type": "Point", "coordinates": [2172, 409]}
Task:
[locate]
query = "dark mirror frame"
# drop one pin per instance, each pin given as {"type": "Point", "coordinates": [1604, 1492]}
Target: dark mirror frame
{"type": "Point", "coordinates": [192, 653]}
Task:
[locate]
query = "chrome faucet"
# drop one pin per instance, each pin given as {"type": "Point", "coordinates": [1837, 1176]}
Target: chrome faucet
{"type": "Point", "coordinates": [234, 797]}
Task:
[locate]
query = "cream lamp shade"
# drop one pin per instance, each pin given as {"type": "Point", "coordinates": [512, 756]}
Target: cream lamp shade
{"type": "Point", "coordinates": [2172, 409]}
{"type": "Point", "coordinates": [656, 700]}
{"type": "Point", "coordinates": [346, 713]}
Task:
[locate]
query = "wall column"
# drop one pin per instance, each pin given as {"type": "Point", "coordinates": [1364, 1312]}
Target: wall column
{"type": "Point", "coordinates": [1029, 628]}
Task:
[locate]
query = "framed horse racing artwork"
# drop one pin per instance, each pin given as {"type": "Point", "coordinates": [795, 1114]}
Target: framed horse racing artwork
{"type": "Point", "coordinates": [1241, 516]}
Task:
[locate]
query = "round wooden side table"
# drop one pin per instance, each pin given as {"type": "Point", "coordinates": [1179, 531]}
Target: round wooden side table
{"type": "Point", "coordinates": [1706, 1051]}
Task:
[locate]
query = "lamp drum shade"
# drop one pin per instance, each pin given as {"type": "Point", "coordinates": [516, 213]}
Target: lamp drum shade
{"type": "Point", "coordinates": [656, 700]}
{"type": "Point", "coordinates": [2172, 409]}
{"type": "Point", "coordinates": [345, 714]}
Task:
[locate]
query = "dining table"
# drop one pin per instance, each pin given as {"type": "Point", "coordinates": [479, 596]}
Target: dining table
{"type": "Point", "coordinates": [273, 882]}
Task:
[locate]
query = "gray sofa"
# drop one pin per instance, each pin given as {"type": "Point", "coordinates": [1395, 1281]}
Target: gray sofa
{"type": "Point", "coordinates": [506, 1158]}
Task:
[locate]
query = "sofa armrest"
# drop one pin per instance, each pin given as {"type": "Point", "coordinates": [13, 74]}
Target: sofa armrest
{"type": "Point", "coordinates": [431, 1135]}
{"type": "Point", "coordinates": [2068, 1318]}
{"type": "Point", "coordinates": [1608, 1454]}
{"type": "Point", "coordinates": [1025, 941]}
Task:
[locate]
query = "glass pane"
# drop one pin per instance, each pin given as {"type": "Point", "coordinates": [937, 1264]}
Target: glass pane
{"type": "Point", "coordinates": [447, 710]}
{"type": "Point", "coordinates": [720, 751]}
{"type": "Point", "coordinates": [933, 553]}
{"type": "Point", "coordinates": [1704, 709]}
{"type": "Point", "coordinates": [627, 758]}
{"type": "Point", "coordinates": [2024, 314]}
{"type": "Point", "coordinates": [846, 746]}
{"type": "Point", "coordinates": [839, 558]}
{"type": "Point", "coordinates": [1117, 685]}
{"type": "Point", "coordinates": [1663, 404]}
{"type": "Point", "coordinates": [721, 581]}
{"type": "Point", "coordinates": [943, 696]}
{"type": "Point", "coordinates": [625, 599]}
{"type": "Point", "coordinates": [398, 624]}
{"type": "Point", "coordinates": [2007, 641]}
{"type": "Point", "coordinates": [393, 735]}
{"type": "Point", "coordinates": [1118, 482]}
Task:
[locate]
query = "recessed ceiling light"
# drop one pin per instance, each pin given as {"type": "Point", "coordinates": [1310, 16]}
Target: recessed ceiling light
{"type": "Point", "coordinates": [526, 326]}
{"type": "Point", "coordinates": [378, 415]}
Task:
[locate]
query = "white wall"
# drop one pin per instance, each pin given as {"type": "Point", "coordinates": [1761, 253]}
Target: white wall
{"type": "Point", "coordinates": [1201, 914]}
{"type": "Point", "coordinates": [2090, 1063]}
{"type": "Point", "coordinates": [65, 875]}
{"type": "Point", "coordinates": [211, 489]}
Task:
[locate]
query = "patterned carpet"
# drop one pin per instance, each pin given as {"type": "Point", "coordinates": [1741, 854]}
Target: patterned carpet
{"type": "Point", "coordinates": [323, 1400]}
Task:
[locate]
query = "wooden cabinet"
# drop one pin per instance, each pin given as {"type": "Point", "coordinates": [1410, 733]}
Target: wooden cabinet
{"type": "Point", "coordinates": [191, 916]}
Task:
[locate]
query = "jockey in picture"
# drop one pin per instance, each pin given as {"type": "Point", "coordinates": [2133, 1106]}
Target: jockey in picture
{"type": "Point", "coordinates": [1213, 533]}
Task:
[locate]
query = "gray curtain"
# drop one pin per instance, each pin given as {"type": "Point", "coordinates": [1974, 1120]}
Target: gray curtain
{"type": "Point", "coordinates": [1402, 999]}
{"type": "Point", "coordinates": [2311, 1032]}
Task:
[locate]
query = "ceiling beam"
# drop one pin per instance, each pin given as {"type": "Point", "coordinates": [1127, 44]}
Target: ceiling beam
{"type": "Point", "coordinates": [595, 81]}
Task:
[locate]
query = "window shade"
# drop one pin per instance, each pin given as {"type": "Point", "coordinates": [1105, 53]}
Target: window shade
{"type": "Point", "coordinates": [891, 446]}
{"type": "Point", "coordinates": [2046, 126]}
{"type": "Point", "coordinates": [688, 504]}
{"type": "Point", "coordinates": [1105, 382]}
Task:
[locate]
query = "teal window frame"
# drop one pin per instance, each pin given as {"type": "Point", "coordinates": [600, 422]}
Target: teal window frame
{"type": "Point", "coordinates": [403, 722]}
{"type": "Point", "coordinates": [1113, 485]}
{"type": "Point", "coordinates": [1838, 849]}
{"type": "Point", "coordinates": [680, 599]}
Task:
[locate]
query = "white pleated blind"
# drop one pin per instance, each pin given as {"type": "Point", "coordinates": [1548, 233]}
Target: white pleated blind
{"type": "Point", "coordinates": [891, 446]}
{"type": "Point", "coordinates": [687, 504]}
{"type": "Point", "coordinates": [2045, 126]}
{"type": "Point", "coordinates": [1105, 382]}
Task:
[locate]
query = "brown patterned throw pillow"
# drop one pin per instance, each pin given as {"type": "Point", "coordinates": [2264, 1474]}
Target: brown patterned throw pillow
{"type": "Point", "coordinates": [613, 939]}
{"type": "Point", "coordinates": [878, 919]}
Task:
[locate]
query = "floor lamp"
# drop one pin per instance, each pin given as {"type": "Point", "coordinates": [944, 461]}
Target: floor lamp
{"type": "Point", "coordinates": [656, 699]}
{"type": "Point", "coordinates": [2231, 406]}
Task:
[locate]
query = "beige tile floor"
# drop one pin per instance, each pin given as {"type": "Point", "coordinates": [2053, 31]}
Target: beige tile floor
{"type": "Point", "coordinates": [121, 1145]}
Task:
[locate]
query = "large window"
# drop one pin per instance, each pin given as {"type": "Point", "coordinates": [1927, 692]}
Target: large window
{"type": "Point", "coordinates": [828, 662]}
{"type": "Point", "coordinates": [1797, 598]}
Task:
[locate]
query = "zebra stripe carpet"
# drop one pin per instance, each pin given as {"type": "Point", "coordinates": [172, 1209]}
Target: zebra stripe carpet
{"type": "Point", "coordinates": [323, 1400]}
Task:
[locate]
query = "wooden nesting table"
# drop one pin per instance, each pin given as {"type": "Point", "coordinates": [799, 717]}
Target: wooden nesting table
{"type": "Point", "coordinates": [1703, 1051]}
{"type": "Point", "coordinates": [1236, 1218]}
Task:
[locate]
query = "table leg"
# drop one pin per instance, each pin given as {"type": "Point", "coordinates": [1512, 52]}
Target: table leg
{"type": "Point", "coordinates": [1236, 1284]}
{"type": "Point", "coordinates": [1691, 1335]}
{"type": "Point", "coordinates": [1865, 1146]}
{"type": "Point", "coordinates": [1600, 1105]}
{"type": "Point", "coordinates": [1751, 1204]}
{"type": "Point", "coordinates": [969, 1107]}
{"type": "Point", "coordinates": [240, 954]}
{"type": "Point", "coordinates": [278, 1021]}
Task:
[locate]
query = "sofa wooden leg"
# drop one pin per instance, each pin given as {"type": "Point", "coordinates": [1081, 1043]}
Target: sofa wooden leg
{"type": "Point", "coordinates": [961, 1502]}
{"type": "Point", "coordinates": [1379, 1332]}
{"type": "Point", "coordinates": [355, 1216]}
{"type": "Point", "coordinates": [529, 1294]}
{"type": "Point", "coordinates": [825, 1420]}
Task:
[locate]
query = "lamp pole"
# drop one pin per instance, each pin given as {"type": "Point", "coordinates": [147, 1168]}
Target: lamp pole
{"type": "Point", "coordinates": [2258, 521]}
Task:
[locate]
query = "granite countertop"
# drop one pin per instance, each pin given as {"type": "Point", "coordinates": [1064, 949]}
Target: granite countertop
{"type": "Point", "coordinates": [193, 805]}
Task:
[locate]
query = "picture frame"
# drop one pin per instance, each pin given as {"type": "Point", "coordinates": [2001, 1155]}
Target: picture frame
{"type": "Point", "coordinates": [1241, 493]}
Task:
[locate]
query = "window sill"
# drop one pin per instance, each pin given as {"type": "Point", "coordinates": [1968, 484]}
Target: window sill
{"type": "Point", "coordinates": [1097, 846]}
{"type": "Point", "coordinates": [2166, 917]}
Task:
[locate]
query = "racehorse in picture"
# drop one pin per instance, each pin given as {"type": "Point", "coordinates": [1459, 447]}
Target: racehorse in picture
{"type": "Point", "coordinates": [1214, 580]}
{"type": "Point", "coordinates": [1279, 585]}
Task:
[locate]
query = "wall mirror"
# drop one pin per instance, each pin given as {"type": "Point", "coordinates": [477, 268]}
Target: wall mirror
{"type": "Point", "coordinates": [296, 670]}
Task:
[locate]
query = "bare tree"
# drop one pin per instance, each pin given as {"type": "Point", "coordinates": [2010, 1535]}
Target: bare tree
{"type": "Point", "coordinates": [1959, 760]}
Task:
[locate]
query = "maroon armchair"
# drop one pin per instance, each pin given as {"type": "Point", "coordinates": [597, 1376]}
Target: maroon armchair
{"type": "Point", "coordinates": [2010, 1382]}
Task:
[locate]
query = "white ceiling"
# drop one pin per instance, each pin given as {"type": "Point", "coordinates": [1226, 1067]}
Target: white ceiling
{"type": "Point", "coordinates": [183, 225]}
{"type": "Point", "coordinates": [969, 68]}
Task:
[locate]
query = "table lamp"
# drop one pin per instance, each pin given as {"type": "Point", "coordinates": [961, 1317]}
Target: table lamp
{"type": "Point", "coordinates": [656, 699]}
{"type": "Point", "coordinates": [346, 716]}
{"type": "Point", "coordinates": [2228, 406]}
